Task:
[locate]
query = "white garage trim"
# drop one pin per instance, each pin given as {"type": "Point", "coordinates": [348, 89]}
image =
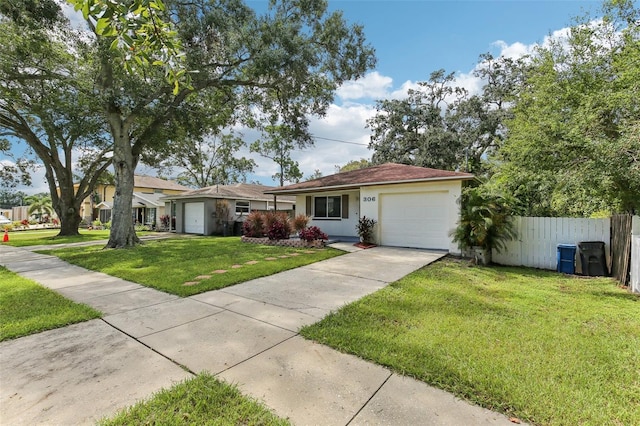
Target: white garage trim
{"type": "Point", "coordinates": [194, 218]}
{"type": "Point", "coordinates": [415, 219]}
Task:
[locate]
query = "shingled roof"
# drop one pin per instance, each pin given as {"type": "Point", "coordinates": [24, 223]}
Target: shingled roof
{"type": "Point", "coordinates": [376, 175]}
{"type": "Point", "coordinates": [238, 191]}
{"type": "Point", "coordinates": [156, 183]}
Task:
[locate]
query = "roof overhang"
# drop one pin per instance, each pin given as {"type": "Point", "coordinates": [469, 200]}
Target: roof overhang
{"type": "Point", "coordinates": [220, 197]}
{"type": "Point", "coordinates": [360, 185]}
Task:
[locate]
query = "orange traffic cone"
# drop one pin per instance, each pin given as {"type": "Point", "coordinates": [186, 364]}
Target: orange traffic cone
{"type": "Point", "coordinates": [5, 239]}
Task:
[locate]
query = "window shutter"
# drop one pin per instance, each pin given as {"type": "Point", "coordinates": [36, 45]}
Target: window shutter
{"type": "Point", "coordinates": [308, 212]}
{"type": "Point", "coordinates": [345, 206]}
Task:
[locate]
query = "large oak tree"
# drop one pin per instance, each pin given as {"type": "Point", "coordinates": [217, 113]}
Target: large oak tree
{"type": "Point", "coordinates": [47, 101]}
{"type": "Point", "coordinates": [443, 126]}
{"type": "Point", "coordinates": [281, 65]}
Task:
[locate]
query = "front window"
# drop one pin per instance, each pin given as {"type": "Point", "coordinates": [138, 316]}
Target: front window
{"type": "Point", "coordinates": [242, 207]}
{"type": "Point", "coordinates": [327, 207]}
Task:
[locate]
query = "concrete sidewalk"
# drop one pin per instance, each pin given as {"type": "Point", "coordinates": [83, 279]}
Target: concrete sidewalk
{"type": "Point", "coordinates": [245, 334]}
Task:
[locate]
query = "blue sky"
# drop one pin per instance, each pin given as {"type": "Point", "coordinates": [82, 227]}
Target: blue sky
{"type": "Point", "coordinates": [412, 39]}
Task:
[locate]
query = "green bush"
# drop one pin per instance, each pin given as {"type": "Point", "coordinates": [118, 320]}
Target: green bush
{"type": "Point", "coordinates": [485, 220]}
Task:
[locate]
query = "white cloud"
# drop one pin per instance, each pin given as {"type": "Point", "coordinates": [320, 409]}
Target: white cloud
{"type": "Point", "coordinates": [373, 85]}
{"type": "Point", "coordinates": [515, 50]}
{"type": "Point", "coordinates": [340, 137]}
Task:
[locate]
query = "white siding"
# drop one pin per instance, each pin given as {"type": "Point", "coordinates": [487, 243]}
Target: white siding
{"type": "Point", "coordinates": [338, 226]}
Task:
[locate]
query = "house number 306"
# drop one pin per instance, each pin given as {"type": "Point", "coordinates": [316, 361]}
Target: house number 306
{"type": "Point", "coordinates": [368, 199]}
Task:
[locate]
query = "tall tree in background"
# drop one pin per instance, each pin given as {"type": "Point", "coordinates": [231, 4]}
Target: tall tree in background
{"type": "Point", "coordinates": [414, 130]}
{"type": "Point", "coordinates": [10, 198]}
{"type": "Point", "coordinates": [317, 174]}
{"type": "Point", "coordinates": [277, 144]}
{"type": "Point", "coordinates": [47, 100]}
{"type": "Point", "coordinates": [573, 146]}
{"type": "Point", "coordinates": [284, 64]}
{"type": "Point", "coordinates": [442, 126]}
{"type": "Point", "coordinates": [362, 163]}
{"type": "Point", "coordinates": [209, 161]}
{"type": "Point", "coordinates": [479, 120]}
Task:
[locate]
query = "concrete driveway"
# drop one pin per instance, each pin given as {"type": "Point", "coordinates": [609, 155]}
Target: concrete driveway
{"type": "Point", "coordinates": [245, 334]}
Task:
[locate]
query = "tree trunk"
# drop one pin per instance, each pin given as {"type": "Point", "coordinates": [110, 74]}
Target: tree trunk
{"type": "Point", "coordinates": [69, 216]}
{"type": "Point", "coordinates": [123, 233]}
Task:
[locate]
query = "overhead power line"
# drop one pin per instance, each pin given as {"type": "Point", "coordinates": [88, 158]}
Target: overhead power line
{"type": "Point", "coordinates": [338, 140]}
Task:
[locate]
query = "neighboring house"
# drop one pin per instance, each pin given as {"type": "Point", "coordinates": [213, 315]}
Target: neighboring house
{"type": "Point", "coordinates": [413, 206]}
{"type": "Point", "coordinates": [216, 209]}
{"type": "Point", "coordinates": [146, 208]}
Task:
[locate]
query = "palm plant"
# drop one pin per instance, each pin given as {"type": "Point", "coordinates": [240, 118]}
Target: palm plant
{"type": "Point", "coordinates": [485, 220]}
{"type": "Point", "coordinates": [39, 205]}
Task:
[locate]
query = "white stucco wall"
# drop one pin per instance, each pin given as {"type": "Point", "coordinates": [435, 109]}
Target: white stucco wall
{"type": "Point", "coordinates": [333, 227]}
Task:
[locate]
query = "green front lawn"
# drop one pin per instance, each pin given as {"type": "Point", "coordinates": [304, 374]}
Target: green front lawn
{"type": "Point", "coordinates": [543, 347]}
{"type": "Point", "coordinates": [202, 400]}
{"type": "Point", "coordinates": [168, 264]}
{"type": "Point", "coordinates": [28, 308]}
{"type": "Point", "coordinates": [49, 236]}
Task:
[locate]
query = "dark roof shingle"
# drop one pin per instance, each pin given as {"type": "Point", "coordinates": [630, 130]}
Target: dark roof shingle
{"type": "Point", "coordinates": [241, 191]}
{"type": "Point", "coordinates": [375, 175]}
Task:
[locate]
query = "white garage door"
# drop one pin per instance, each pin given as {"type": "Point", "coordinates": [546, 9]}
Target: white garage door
{"type": "Point", "coordinates": [418, 219]}
{"type": "Point", "coordinates": [194, 218]}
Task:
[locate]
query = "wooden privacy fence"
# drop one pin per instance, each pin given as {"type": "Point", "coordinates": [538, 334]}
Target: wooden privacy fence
{"type": "Point", "coordinates": [538, 239]}
{"type": "Point", "coordinates": [621, 247]}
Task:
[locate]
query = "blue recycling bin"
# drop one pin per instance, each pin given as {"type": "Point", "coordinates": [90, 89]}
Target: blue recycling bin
{"type": "Point", "coordinates": [566, 258]}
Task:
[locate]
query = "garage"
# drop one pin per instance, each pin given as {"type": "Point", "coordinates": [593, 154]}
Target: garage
{"type": "Point", "coordinates": [194, 218]}
{"type": "Point", "coordinates": [417, 219]}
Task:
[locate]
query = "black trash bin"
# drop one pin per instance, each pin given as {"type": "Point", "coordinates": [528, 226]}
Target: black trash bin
{"type": "Point", "coordinates": [594, 262]}
{"type": "Point", "coordinates": [237, 228]}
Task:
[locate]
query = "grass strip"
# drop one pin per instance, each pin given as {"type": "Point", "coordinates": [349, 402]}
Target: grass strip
{"type": "Point", "coordinates": [544, 347]}
{"type": "Point", "coordinates": [28, 308]}
{"type": "Point", "coordinates": [168, 264]}
{"type": "Point", "coordinates": [203, 400]}
{"type": "Point", "coordinates": [50, 237]}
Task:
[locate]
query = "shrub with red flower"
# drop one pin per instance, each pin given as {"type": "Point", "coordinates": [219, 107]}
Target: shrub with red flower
{"type": "Point", "coordinates": [312, 233]}
{"type": "Point", "coordinates": [278, 231]}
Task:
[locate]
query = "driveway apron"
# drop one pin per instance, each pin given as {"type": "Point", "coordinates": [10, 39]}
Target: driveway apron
{"type": "Point", "coordinates": [246, 334]}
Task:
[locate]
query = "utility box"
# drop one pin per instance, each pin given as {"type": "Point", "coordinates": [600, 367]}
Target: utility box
{"type": "Point", "coordinates": [592, 256]}
{"type": "Point", "coordinates": [566, 258]}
